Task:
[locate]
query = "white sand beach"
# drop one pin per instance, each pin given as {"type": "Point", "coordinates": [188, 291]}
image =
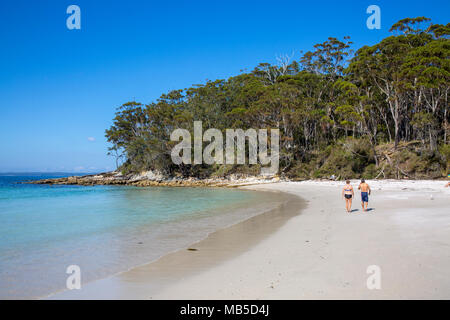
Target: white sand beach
{"type": "Point", "coordinates": [322, 253]}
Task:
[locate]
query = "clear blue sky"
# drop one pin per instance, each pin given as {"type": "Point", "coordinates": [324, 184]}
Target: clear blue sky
{"type": "Point", "coordinates": [59, 88]}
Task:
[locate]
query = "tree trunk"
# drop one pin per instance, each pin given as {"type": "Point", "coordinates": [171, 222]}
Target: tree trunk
{"type": "Point", "coordinates": [433, 138]}
{"type": "Point", "coordinates": [396, 133]}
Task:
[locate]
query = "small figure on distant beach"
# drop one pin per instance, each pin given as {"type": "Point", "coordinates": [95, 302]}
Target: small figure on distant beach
{"type": "Point", "coordinates": [348, 194]}
{"type": "Point", "coordinates": [365, 192]}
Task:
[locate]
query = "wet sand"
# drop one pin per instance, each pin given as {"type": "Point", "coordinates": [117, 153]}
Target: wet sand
{"type": "Point", "coordinates": [145, 281]}
{"type": "Point", "coordinates": [321, 253]}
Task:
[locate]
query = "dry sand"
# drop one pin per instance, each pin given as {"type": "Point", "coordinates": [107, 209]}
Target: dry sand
{"type": "Point", "coordinates": [322, 253]}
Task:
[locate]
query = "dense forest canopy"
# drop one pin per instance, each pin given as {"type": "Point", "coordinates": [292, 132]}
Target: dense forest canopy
{"type": "Point", "coordinates": [379, 112]}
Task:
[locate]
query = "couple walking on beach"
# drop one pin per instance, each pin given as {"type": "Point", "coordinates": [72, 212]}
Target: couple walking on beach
{"type": "Point", "coordinates": [348, 194]}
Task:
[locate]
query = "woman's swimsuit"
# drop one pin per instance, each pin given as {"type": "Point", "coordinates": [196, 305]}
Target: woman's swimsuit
{"type": "Point", "coordinates": [348, 196]}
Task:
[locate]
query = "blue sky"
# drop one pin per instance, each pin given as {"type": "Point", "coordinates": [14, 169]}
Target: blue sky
{"type": "Point", "coordinates": [59, 88]}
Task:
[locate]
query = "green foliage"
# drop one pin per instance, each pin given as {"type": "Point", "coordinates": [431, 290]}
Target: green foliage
{"type": "Point", "coordinates": [336, 116]}
{"type": "Point", "coordinates": [445, 152]}
{"type": "Point", "coordinates": [370, 172]}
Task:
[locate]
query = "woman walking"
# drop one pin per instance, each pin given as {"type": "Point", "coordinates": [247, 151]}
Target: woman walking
{"type": "Point", "coordinates": [348, 194]}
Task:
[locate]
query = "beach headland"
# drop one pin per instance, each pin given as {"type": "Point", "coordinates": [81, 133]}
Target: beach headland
{"type": "Point", "coordinates": [318, 252]}
{"type": "Point", "coordinates": [155, 179]}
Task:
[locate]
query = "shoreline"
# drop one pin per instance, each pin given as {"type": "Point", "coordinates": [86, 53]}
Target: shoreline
{"type": "Point", "coordinates": [156, 179]}
{"type": "Point", "coordinates": [165, 269]}
{"type": "Point", "coordinates": [321, 253]}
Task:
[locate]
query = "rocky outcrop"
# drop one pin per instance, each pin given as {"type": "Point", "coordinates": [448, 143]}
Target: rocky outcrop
{"type": "Point", "coordinates": [150, 178]}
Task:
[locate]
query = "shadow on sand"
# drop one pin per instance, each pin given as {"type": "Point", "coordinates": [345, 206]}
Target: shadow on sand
{"type": "Point", "coordinates": [368, 209]}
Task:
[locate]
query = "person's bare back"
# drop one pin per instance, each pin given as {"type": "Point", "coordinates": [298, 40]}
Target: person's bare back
{"type": "Point", "coordinates": [364, 187]}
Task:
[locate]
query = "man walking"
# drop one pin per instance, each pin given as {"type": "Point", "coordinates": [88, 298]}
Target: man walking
{"type": "Point", "coordinates": [365, 192]}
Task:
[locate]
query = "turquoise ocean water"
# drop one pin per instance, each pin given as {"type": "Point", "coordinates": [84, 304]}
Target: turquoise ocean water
{"type": "Point", "coordinates": [102, 229]}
